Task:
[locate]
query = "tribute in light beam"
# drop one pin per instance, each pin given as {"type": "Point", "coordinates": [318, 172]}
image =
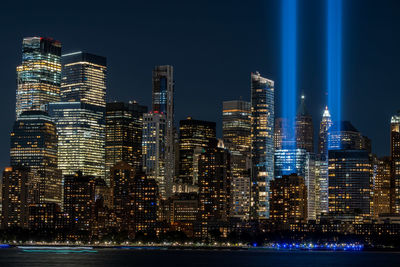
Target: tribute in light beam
{"type": "Point", "coordinates": [289, 75]}
{"type": "Point", "coordinates": [334, 58]}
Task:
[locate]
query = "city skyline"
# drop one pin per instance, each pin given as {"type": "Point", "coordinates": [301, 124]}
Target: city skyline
{"type": "Point", "coordinates": [222, 57]}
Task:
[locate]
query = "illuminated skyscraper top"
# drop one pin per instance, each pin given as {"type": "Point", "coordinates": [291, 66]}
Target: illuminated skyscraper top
{"type": "Point", "coordinates": [326, 123]}
{"type": "Point", "coordinates": [39, 75]}
{"type": "Point", "coordinates": [84, 78]}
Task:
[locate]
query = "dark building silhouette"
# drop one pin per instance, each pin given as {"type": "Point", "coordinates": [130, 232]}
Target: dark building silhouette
{"type": "Point", "coordinates": [304, 128]}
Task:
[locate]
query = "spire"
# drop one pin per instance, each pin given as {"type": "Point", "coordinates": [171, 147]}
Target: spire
{"type": "Point", "coordinates": [326, 113]}
{"type": "Point", "coordinates": [302, 110]}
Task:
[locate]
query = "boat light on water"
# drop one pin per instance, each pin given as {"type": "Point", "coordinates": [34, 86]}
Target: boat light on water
{"type": "Point", "coordinates": [56, 249]}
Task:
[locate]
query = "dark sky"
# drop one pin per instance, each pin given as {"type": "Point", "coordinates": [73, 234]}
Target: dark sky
{"type": "Point", "coordinates": [214, 45]}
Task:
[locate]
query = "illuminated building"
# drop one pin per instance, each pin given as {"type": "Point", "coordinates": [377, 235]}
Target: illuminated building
{"type": "Point", "coordinates": [304, 164]}
{"type": "Point", "coordinates": [214, 187]}
{"type": "Point", "coordinates": [15, 198]}
{"type": "Point", "coordinates": [281, 137]}
{"type": "Point", "coordinates": [163, 102]}
{"type": "Point", "coordinates": [382, 188]}
{"type": "Point", "coordinates": [39, 75]}
{"type": "Point", "coordinates": [262, 133]}
{"type": "Point", "coordinates": [193, 134]}
{"type": "Point", "coordinates": [304, 128]}
{"type": "Point", "coordinates": [288, 202]}
{"type": "Point", "coordinates": [325, 124]}
{"type": "Point", "coordinates": [124, 124]}
{"type": "Point", "coordinates": [236, 130]}
{"type": "Point", "coordinates": [45, 216]}
{"type": "Point", "coordinates": [34, 145]}
{"type": "Point", "coordinates": [84, 78]}
{"type": "Point", "coordinates": [350, 184]}
{"type": "Point", "coordinates": [122, 175]}
{"type": "Point", "coordinates": [81, 137]}
{"type": "Point", "coordinates": [154, 149]}
{"type": "Point", "coordinates": [79, 200]}
{"type": "Point", "coordinates": [395, 158]}
{"type": "Point", "coordinates": [321, 185]}
{"type": "Point", "coordinates": [343, 135]}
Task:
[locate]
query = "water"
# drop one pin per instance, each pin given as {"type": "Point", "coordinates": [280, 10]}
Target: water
{"type": "Point", "coordinates": [192, 258]}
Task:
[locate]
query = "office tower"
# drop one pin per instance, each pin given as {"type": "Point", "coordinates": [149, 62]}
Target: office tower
{"type": "Point", "coordinates": [304, 128]}
{"type": "Point", "coordinates": [321, 185]}
{"type": "Point", "coordinates": [382, 188]}
{"type": "Point", "coordinates": [84, 78]}
{"type": "Point", "coordinates": [193, 134]}
{"type": "Point", "coordinates": [214, 187]}
{"type": "Point", "coordinates": [350, 184]}
{"type": "Point", "coordinates": [280, 135]}
{"type": "Point", "coordinates": [163, 102]}
{"type": "Point", "coordinates": [288, 202]}
{"type": "Point", "coordinates": [395, 158]}
{"type": "Point", "coordinates": [299, 161]}
{"type": "Point", "coordinates": [79, 200]}
{"type": "Point", "coordinates": [154, 149]}
{"type": "Point", "coordinates": [34, 145]}
{"type": "Point", "coordinates": [325, 124]}
{"type": "Point", "coordinates": [144, 203]}
{"type": "Point", "coordinates": [343, 135]}
{"type": "Point", "coordinates": [236, 131]}
{"type": "Point", "coordinates": [15, 191]}
{"type": "Point", "coordinates": [81, 137]}
{"type": "Point", "coordinates": [39, 75]}
{"type": "Point", "coordinates": [45, 217]}
{"type": "Point", "coordinates": [122, 175]}
{"type": "Point", "coordinates": [124, 124]}
{"type": "Point", "coordinates": [262, 132]}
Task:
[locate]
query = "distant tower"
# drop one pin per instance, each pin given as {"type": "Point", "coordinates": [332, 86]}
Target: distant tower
{"type": "Point", "coordinates": [326, 123]}
{"type": "Point", "coordinates": [262, 132]}
{"type": "Point", "coordinates": [39, 75]}
{"type": "Point", "coordinates": [304, 128]}
{"type": "Point", "coordinates": [163, 102]}
{"type": "Point", "coordinates": [395, 159]}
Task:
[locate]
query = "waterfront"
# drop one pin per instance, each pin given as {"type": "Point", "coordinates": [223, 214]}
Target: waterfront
{"type": "Point", "coordinates": [184, 258]}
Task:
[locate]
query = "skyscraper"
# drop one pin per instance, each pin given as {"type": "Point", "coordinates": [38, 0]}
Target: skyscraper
{"type": "Point", "coordinates": [382, 187]}
{"type": "Point", "coordinates": [262, 132]}
{"type": "Point", "coordinates": [81, 137]}
{"type": "Point", "coordinates": [193, 134]}
{"type": "Point", "coordinates": [34, 145]}
{"type": "Point", "coordinates": [124, 124]}
{"type": "Point", "coordinates": [304, 128]}
{"type": "Point", "coordinates": [154, 149]}
{"type": "Point", "coordinates": [39, 75]}
{"type": "Point", "coordinates": [343, 135]}
{"type": "Point", "coordinates": [395, 159]}
{"type": "Point", "coordinates": [236, 130]}
{"type": "Point", "coordinates": [163, 102]}
{"type": "Point", "coordinates": [326, 123]}
{"type": "Point", "coordinates": [84, 78]}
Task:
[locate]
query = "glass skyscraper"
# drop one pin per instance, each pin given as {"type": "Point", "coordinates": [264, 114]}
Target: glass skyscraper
{"type": "Point", "coordinates": [39, 75]}
{"type": "Point", "coordinates": [262, 132]}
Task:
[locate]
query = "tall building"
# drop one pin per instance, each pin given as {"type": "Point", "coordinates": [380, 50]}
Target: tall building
{"type": "Point", "coordinates": [288, 202]}
{"type": "Point", "coordinates": [343, 135]}
{"type": "Point", "coordinates": [262, 132]}
{"type": "Point", "coordinates": [15, 190]}
{"type": "Point", "coordinates": [154, 149]}
{"type": "Point", "coordinates": [325, 124]}
{"type": "Point", "coordinates": [382, 187]}
{"type": "Point", "coordinates": [395, 158]}
{"type": "Point", "coordinates": [236, 131]}
{"type": "Point", "coordinates": [34, 145]}
{"type": "Point", "coordinates": [163, 102]}
{"type": "Point", "coordinates": [124, 124]}
{"type": "Point", "coordinates": [321, 185]}
{"type": "Point", "coordinates": [304, 128]}
{"type": "Point", "coordinates": [84, 78]}
{"type": "Point", "coordinates": [81, 137]}
{"type": "Point", "coordinates": [39, 75]}
{"type": "Point", "coordinates": [193, 134]}
{"type": "Point", "coordinates": [350, 184]}
{"type": "Point", "coordinates": [79, 200]}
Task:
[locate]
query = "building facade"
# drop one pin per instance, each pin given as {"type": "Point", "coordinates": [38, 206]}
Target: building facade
{"type": "Point", "coordinates": [304, 128]}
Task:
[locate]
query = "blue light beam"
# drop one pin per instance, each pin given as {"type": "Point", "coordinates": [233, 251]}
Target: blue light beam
{"type": "Point", "coordinates": [289, 72]}
{"type": "Point", "coordinates": [334, 59]}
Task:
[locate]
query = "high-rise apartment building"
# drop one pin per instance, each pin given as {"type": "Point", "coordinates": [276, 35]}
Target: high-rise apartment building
{"type": "Point", "coordinates": [154, 149]}
{"type": "Point", "coordinates": [34, 145]}
{"type": "Point", "coordinates": [39, 75]}
{"type": "Point", "coordinates": [262, 133]}
{"type": "Point", "coordinates": [382, 187]}
{"type": "Point", "coordinates": [304, 128]}
{"type": "Point", "coordinates": [84, 78]}
{"type": "Point", "coordinates": [124, 124]}
{"type": "Point", "coordinates": [163, 102]}
{"type": "Point", "coordinates": [236, 131]}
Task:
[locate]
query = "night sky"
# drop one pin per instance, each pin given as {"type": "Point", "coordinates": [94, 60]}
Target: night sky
{"type": "Point", "coordinates": [213, 46]}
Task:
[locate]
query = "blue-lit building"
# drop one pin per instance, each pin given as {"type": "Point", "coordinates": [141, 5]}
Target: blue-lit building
{"type": "Point", "coordinates": [39, 75]}
{"type": "Point", "coordinates": [262, 132]}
